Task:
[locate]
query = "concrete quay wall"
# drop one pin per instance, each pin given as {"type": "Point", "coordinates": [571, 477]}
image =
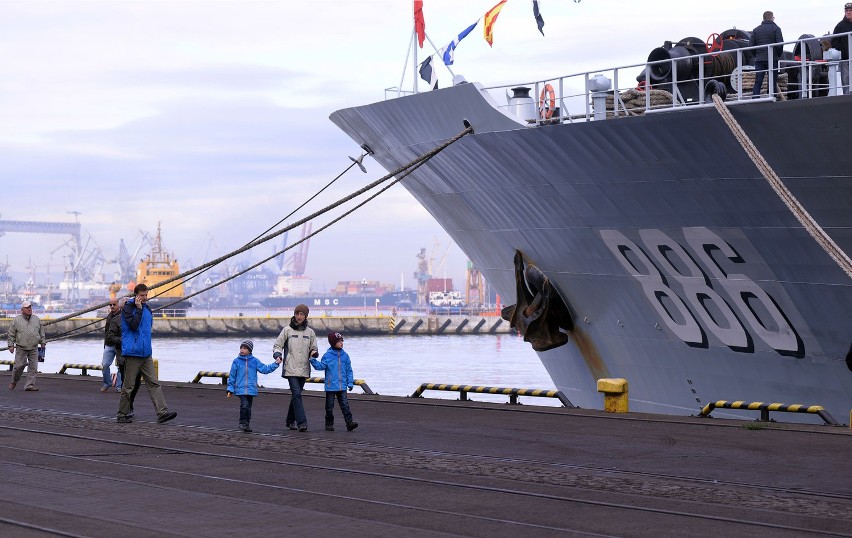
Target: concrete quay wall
{"type": "Point", "coordinates": [272, 326]}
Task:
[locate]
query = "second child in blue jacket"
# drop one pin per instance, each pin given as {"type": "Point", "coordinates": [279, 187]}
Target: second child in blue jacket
{"type": "Point", "coordinates": [242, 380]}
{"type": "Point", "coordinates": [338, 378]}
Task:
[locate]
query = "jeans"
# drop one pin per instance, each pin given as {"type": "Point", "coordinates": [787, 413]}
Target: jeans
{"type": "Point", "coordinates": [760, 68]}
{"type": "Point", "coordinates": [106, 360]}
{"type": "Point", "coordinates": [296, 410]}
{"type": "Point", "coordinates": [329, 406]}
{"type": "Point", "coordinates": [245, 408]}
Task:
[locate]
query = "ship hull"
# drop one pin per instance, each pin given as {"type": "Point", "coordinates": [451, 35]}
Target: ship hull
{"type": "Point", "coordinates": [684, 272]}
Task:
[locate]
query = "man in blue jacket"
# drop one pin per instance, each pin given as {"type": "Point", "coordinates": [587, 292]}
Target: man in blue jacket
{"type": "Point", "coordinates": [766, 34]}
{"type": "Point", "coordinates": [137, 321]}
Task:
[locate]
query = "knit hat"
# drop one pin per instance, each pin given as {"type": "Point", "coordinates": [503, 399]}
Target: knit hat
{"type": "Point", "coordinates": [303, 308]}
{"type": "Point", "coordinates": [248, 344]}
{"type": "Point", "coordinates": [334, 338]}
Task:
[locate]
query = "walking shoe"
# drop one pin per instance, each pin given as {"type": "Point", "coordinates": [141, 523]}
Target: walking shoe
{"type": "Point", "coordinates": [124, 420]}
{"type": "Point", "coordinates": [329, 428]}
{"type": "Point", "coordinates": [167, 416]}
{"type": "Point", "coordinates": [104, 388]}
{"type": "Point", "coordinates": [245, 427]}
{"type": "Point", "coordinates": [130, 414]}
{"type": "Point", "coordinates": [291, 426]}
{"type": "Point", "coordinates": [31, 388]}
{"type": "Point", "coordinates": [303, 428]}
{"type": "Point", "coordinates": [12, 385]}
{"type": "Point", "coordinates": [351, 426]}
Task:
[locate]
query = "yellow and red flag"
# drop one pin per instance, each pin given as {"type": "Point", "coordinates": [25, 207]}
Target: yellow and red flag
{"type": "Point", "coordinates": [419, 22]}
{"type": "Point", "coordinates": [489, 19]}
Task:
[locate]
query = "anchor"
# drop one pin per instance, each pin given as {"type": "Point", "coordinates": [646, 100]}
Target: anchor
{"type": "Point", "coordinates": [540, 312]}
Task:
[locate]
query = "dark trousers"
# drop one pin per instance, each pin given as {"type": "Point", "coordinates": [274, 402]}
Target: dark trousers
{"type": "Point", "coordinates": [329, 406]}
{"type": "Point", "coordinates": [135, 383]}
{"type": "Point", "coordinates": [760, 68]}
{"type": "Point", "coordinates": [245, 408]}
{"type": "Point", "coordinates": [296, 410]}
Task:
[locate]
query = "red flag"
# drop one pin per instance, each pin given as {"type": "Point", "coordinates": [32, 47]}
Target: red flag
{"type": "Point", "coordinates": [490, 19]}
{"type": "Point", "coordinates": [419, 22]}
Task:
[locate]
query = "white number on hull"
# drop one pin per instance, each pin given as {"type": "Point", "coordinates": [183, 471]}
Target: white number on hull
{"type": "Point", "coordinates": [695, 288]}
{"type": "Point", "coordinates": [739, 287]}
{"type": "Point", "coordinates": [654, 286]}
{"type": "Point", "coordinates": [681, 267]}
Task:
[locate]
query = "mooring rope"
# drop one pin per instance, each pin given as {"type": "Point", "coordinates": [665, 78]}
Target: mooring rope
{"type": "Point", "coordinates": [404, 170]}
{"type": "Point", "coordinates": [793, 204]}
{"type": "Point", "coordinates": [269, 229]}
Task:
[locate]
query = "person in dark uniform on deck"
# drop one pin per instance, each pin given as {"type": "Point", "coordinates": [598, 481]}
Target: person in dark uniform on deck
{"type": "Point", "coordinates": [765, 34]}
{"type": "Point", "coordinates": [841, 43]}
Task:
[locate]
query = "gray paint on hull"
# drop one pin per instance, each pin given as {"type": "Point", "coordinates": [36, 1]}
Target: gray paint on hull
{"type": "Point", "coordinates": [548, 191]}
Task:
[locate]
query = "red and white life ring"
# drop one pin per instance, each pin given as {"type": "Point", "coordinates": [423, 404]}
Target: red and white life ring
{"type": "Point", "coordinates": [547, 102]}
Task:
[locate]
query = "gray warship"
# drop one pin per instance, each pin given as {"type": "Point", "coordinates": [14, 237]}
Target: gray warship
{"type": "Point", "coordinates": [662, 253]}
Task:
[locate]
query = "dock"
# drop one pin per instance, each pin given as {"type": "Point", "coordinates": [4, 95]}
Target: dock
{"type": "Point", "coordinates": [413, 467]}
{"type": "Point", "coordinates": [270, 325]}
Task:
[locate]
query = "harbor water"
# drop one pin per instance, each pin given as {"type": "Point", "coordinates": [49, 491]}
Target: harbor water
{"type": "Point", "coordinates": [390, 365]}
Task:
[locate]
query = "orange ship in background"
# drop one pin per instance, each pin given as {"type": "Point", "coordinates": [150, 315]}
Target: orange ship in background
{"type": "Point", "coordinates": [156, 267]}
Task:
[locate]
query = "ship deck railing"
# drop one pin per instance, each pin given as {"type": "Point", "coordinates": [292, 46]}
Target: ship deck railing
{"type": "Point", "coordinates": [512, 393]}
{"type": "Point", "coordinates": [574, 94]}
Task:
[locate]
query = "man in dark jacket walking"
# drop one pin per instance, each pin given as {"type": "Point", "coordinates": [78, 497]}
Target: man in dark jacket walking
{"type": "Point", "coordinates": [137, 322]}
{"type": "Point", "coordinates": [766, 34]}
{"type": "Point", "coordinates": [112, 341]}
{"type": "Point", "coordinates": [841, 43]}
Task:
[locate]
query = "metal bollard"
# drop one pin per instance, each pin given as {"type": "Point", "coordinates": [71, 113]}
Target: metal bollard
{"type": "Point", "coordinates": [615, 394]}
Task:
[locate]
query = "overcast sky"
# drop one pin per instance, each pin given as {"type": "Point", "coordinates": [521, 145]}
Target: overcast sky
{"type": "Point", "coordinates": [212, 117]}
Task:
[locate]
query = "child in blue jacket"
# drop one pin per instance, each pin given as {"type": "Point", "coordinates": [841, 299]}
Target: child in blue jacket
{"type": "Point", "coordinates": [338, 378]}
{"type": "Point", "coordinates": [242, 380]}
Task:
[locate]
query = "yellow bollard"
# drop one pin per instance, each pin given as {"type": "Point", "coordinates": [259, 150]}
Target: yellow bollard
{"type": "Point", "coordinates": [156, 370]}
{"type": "Point", "coordinates": [615, 394]}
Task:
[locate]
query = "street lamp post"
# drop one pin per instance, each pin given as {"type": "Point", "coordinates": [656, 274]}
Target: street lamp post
{"type": "Point", "coordinates": [364, 293]}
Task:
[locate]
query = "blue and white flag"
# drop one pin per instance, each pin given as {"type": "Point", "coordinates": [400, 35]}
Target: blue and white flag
{"type": "Point", "coordinates": [448, 52]}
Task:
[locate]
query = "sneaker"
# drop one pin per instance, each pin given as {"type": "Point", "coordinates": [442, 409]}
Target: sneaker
{"type": "Point", "coordinates": [130, 414]}
{"type": "Point", "coordinates": [12, 385]}
{"type": "Point", "coordinates": [167, 416]}
{"type": "Point", "coordinates": [245, 427]}
{"type": "Point", "coordinates": [104, 388]}
{"type": "Point", "coordinates": [291, 426]}
{"type": "Point", "coordinates": [303, 428]}
{"type": "Point", "coordinates": [124, 420]}
{"type": "Point", "coordinates": [351, 426]}
{"type": "Point", "coordinates": [329, 428]}
{"type": "Point", "coordinates": [31, 388]}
